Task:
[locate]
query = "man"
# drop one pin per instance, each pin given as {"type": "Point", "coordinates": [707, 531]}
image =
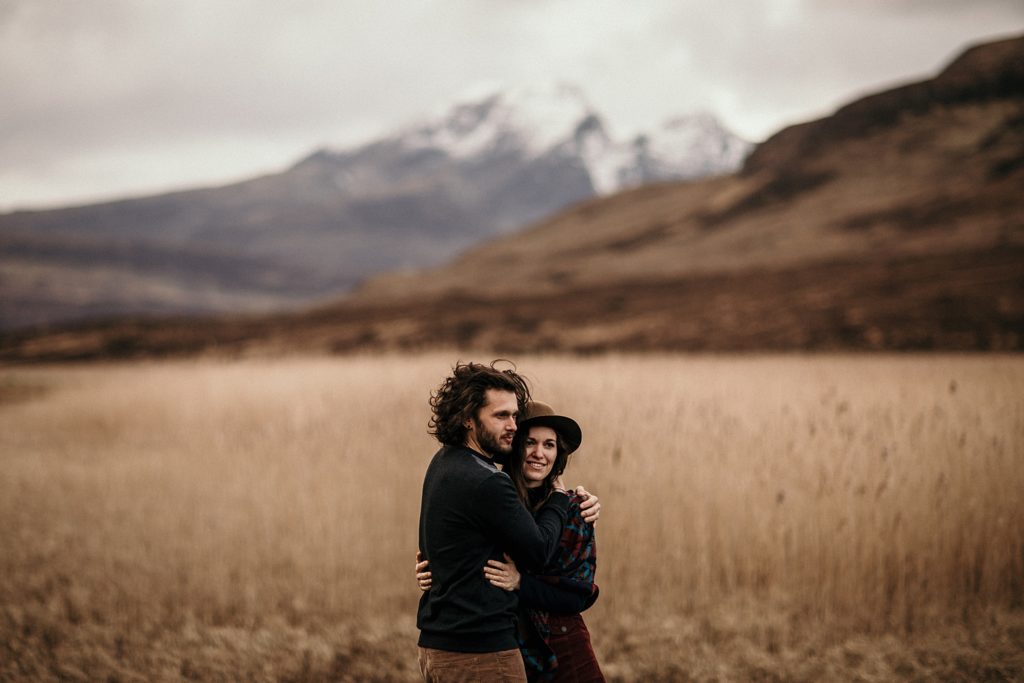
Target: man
{"type": "Point", "coordinates": [470, 513]}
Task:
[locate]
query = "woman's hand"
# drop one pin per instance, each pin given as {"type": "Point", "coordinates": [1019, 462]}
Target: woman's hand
{"type": "Point", "coordinates": [591, 507]}
{"type": "Point", "coordinates": [423, 577]}
{"type": "Point", "coordinates": [503, 575]}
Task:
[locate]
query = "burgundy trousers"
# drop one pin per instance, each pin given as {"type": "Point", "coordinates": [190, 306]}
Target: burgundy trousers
{"type": "Point", "coordinates": [570, 641]}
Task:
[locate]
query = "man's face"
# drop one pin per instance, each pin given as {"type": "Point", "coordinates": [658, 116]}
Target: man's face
{"type": "Point", "coordinates": [494, 426]}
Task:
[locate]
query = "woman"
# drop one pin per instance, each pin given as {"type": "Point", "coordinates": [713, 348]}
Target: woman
{"type": "Point", "coordinates": [554, 641]}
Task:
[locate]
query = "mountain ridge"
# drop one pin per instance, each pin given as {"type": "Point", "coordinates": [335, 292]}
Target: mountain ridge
{"type": "Point", "coordinates": [557, 119]}
{"type": "Point", "coordinates": [994, 69]}
{"type": "Point", "coordinates": [321, 226]}
{"type": "Point", "coordinates": [858, 158]}
{"type": "Point", "coordinates": [905, 234]}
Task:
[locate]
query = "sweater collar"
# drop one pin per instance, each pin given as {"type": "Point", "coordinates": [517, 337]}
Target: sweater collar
{"type": "Point", "coordinates": [479, 456]}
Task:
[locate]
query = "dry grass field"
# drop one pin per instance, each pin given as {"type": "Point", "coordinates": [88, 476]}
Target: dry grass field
{"type": "Point", "coordinates": [764, 518]}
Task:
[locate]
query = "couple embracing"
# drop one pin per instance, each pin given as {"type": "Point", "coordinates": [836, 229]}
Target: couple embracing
{"type": "Point", "coordinates": [506, 556]}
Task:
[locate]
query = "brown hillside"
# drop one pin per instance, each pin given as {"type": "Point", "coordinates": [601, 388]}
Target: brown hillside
{"type": "Point", "coordinates": [890, 175]}
{"type": "Point", "coordinates": [896, 223]}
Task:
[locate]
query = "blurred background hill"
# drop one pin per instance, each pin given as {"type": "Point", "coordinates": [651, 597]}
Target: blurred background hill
{"type": "Point", "coordinates": [894, 223]}
{"type": "Point", "coordinates": [411, 198]}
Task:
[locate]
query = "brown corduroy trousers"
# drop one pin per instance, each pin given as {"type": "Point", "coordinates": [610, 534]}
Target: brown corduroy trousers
{"type": "Point", "coordinates": [441, 666]}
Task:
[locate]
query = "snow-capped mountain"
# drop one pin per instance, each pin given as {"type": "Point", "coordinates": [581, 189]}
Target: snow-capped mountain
{"type": "Point", "coordinates": [431, 190]}
{"type": "Point", "coordinates": [525, 124]}
{"type": "Point", "coordinates": [530, 120]}
{"type": "Point", "coordinates": [486, 166]}
{"type": "Point", "coordinates": [684, 148]}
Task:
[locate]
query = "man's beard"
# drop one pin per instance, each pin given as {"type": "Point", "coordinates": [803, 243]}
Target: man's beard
{"type": "Point", "coordinates": [491, 444]}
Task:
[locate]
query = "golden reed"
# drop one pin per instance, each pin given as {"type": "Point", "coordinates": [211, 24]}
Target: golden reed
{"type": "Point", "coordinates": [158, 507]}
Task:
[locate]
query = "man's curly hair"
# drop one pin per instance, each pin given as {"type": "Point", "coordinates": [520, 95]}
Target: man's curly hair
{"type": "Point", "coordinates": [464, 392]}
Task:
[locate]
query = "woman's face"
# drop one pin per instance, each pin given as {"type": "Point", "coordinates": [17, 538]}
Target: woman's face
{"type": "Point", "coordinates": [541, 448]}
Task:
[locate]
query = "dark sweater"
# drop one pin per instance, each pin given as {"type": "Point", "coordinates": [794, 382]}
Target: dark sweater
{"type": "Point", "coordinates": [469, 514]}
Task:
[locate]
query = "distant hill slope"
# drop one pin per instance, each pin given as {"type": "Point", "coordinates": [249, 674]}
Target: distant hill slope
{"type": "Point", "coordinates": [926, 168]}
{"type": "Point", "coordinates": [413, 198]}
{"type": "Point", "coordinates": [896, 223]}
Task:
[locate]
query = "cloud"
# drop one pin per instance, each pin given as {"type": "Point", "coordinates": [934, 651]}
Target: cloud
{"type": "Point", "coordinates": [94, 90]}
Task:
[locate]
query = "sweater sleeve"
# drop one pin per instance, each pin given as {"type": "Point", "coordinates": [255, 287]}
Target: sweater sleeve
{"type": "Point", "coordinates": [530, 542]}
{"type": "Point", "coordinates": [539, 594]}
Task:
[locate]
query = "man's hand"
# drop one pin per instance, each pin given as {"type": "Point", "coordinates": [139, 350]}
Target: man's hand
{"type": "Point", "coordinates": [591, 507]}
{"type": "Point", "coordinates": [423, 577]}
{"type": "Point", "coordinates": [503, 575]}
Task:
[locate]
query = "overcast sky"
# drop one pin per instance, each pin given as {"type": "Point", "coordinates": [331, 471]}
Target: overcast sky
{"type": "Point", "coordinates": [101, 99]}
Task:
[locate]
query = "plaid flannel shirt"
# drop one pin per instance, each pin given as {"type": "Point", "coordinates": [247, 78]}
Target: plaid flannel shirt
{"type": "Point", "coordinates": [572, 569]}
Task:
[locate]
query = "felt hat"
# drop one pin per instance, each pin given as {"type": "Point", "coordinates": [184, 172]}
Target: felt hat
{"type": "Point", "coordinates": [539, 414]}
